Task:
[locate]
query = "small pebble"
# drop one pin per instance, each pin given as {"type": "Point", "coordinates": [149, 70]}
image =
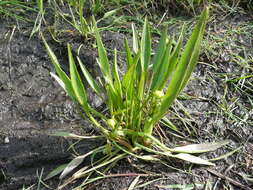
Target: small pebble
{"type": "Point", "coordinates": [6, 140]}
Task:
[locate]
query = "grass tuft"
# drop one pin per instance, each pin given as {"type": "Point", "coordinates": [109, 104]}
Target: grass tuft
{"type": "Point", "coordinates": [138, 100]}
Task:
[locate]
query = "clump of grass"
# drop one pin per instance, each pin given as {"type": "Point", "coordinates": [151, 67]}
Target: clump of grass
{"type": "Point", "coordinates": [137, 101]}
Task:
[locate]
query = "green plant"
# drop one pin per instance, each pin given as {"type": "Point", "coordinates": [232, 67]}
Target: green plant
{"type": "Point", "coordinates": [80, 14]}
{"type": "Point", "coordinates": [138, 100]}
{"type": "Point", "coordinates": [16, 9]}
{"type": "Point", "coordinates": [40, 17]}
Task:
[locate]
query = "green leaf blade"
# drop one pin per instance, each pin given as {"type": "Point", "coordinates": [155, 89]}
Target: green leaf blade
{"type": "Point", "coordinates": [160, 75]}
{"type": "Point", "coordinates": [56, 171]}
{"type": "Point", "coordinates": [185, 66]}
{"type": "Point", "coordinates": [145, 47]}
{"type": "Point", "coordinates": [76, 82]}
{"type": "Point", "coordinates": [117, 82]}
{"type": "Point", "coordinates": [193, 46]}
{"type": "Point", "coordinates": [160, 51]}
{"type": "Point", "coordinates": [62, 75]}
{"type": "Point", "coordinates": [128, 54]}
{"type": "Point", "coordinates": [93, 84]}
{"type": "Point", "coordinates": [103, 59]}
{"type": "Point", "coordinates": [135, 39]}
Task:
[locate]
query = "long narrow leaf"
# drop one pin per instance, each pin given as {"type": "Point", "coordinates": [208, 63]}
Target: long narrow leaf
{"type": "Point", "coordinates": [193, 159]}
{"type": "Point", "coordinates": [173, 59]}
{"type": "Point", "coordinates": [145, 46]}
{"type": "Point", "coordinates": [182, 156]}
{"type": "Point", "coordinates": [83, 173]}
{"type": "Point", "coordinates": [141, 87]}
{"type": "Point", "coordinates": [160, 51]}
{"type": "Point", "coordinates": [56, 171]}
{"type": "Point", "coordinates": [128, 54]}
{"type": "Point", "coordinates": [64, 78]}
{"type": "Point", "coordinates": [188, 59]}
{"type": "Point", "coordinates": [93, 84]}
{"type": "Point", "coordinates": [135, 40]}
{"type": "Point", "coordinates": [77, 161]}
{"type": "Point", "coordinates": [76, 82]}
{"type": "Point", "coordinates": [60, 82]}
{"type": "Point", "coordinates": [117, 83]}
{"type": "Point", "coordinates": [160, 75]}
{"type": "Point", "coordinates": [200, 148]}
{"type": "Point", "coordinates": [103, 60]}
{"type": "Point", "coordinates": [191, 52]}
{"type": "Point", "coordinates": [114, 99]}
{"type": "Point", "coordinates": [129, 75]}
{"type": "Point", "coordinates": [127, 81]}
{"type": "Point", "coordinates": [193, 47]}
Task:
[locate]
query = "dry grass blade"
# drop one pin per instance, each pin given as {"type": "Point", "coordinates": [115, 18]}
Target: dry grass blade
{"type": "Point", "coordinates": [193, 159]}
{"type": "Point", "coordinates": [76, 162]}
{"type": "Point", "coordinates": [200, 148]}
{"type": "Point", "coordinates": [134, 183]}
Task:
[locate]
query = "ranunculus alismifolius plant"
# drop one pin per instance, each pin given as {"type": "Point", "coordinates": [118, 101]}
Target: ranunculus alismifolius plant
{"type": "Point", "coordinates": [140, 98]}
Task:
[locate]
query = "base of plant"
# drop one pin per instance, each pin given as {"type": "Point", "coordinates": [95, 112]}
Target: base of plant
{"type": "Point", "coordinates": [117, 149]}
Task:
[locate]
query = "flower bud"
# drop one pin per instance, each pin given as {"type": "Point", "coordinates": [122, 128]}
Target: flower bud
{"type": "Point", "coordinates": [158, 94]}
{"type": "Point", "coordinates": [111, 122]}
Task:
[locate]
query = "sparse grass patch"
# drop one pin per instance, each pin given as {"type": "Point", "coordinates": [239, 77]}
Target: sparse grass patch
{"type": "Point", "coordinates": [230, 51]}
{"type": "Point", "coordinates": [16, 9]}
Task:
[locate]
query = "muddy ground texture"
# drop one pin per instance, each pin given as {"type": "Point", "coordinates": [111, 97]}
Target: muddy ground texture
{"type": "Point", "coordinates": [32, 106]}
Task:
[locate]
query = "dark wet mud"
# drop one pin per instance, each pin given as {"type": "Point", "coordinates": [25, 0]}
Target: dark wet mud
{"type": "Point", "coordinates": [32, 106]}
